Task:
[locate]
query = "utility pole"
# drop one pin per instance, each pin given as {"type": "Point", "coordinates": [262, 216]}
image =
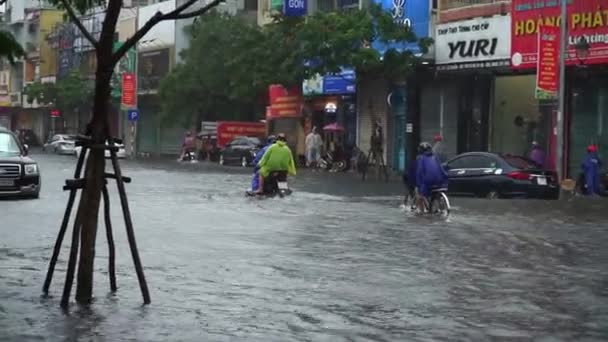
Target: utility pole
{"type": "Point", "coordinates": [133, 123]}
{"type": "Point", "coordinates": [563, 48]}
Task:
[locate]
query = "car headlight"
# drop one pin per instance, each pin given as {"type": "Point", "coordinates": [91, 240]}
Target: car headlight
{"type": "Point", "coordinates": [30, 169]}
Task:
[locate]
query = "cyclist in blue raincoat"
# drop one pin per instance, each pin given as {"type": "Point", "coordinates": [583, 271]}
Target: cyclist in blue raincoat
{"type": "Point", "coordinates": [255, 182]}
{"type": "Point", "coordinates": [430, 174]}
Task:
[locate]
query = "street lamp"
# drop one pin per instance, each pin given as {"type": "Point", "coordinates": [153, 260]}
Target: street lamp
{"type": "Point", "coordinates": [582, 48]}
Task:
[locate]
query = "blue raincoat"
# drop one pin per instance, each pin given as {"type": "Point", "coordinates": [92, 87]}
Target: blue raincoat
{"type": "Point", "coordinates": [591, 166]}
{"type": "Point", "coordinates": [255, 181]}
{"type": "Point", "coordinates": [429, 173]}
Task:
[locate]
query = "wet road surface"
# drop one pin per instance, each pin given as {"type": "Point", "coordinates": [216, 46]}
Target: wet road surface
{"type": "Point", "coordinates": [337, 261]}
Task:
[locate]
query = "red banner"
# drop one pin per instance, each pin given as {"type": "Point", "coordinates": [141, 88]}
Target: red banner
{"type": "Point", "coordinates": [228, 130]}
{"type": "Point", "coordinates": [129, 88]}
{"type": "Point", "coordinates": [547, 76]}
{"type": "Point", "coordinates": [284, 103]}
{"type": "Point", "coordinates": [586, 18]}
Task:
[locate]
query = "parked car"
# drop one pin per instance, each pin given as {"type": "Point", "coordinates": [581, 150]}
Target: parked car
{"type": "Point", "coordinates": [60, 144]}
{"type": "Point", "coordinates": [121, 154]}
{"type": "Point", "coordinates": [19, 174]}
{"type": "Point", "coordinates": [500, 176]}
{"type": "Point", "coordinates": [240, 151]}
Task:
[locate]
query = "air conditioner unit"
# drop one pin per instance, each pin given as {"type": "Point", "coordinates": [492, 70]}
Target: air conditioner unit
{"type": "Point", "coordinates": [15, 99]}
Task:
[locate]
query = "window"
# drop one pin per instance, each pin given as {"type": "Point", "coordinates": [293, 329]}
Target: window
{"type": "Point", "coordinates": [251, 5]}
{"type": "Point", "coordinates": [473, 162]}
{"type": "Point", "coordinates": [8, 144]}
{"type": "Point", "coordinates": [521, 163]}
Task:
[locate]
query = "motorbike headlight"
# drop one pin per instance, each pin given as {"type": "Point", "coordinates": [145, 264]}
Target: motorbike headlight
{"type": "Point", "coordinates": [31, 169]}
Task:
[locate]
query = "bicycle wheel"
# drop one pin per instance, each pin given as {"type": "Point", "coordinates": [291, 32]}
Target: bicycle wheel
{"type": "Point", "coordinates": [440, 204]}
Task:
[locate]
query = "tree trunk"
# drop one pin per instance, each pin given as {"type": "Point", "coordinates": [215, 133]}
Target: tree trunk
{"type": "Point", "coordinates": [91, 195]}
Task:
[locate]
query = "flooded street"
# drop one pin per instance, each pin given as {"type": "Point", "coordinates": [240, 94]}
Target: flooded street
{"type": "Point", "coordinates": [337, 261]}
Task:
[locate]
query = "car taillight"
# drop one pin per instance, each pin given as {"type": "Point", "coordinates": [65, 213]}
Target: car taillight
{"type": "Point", "coordinates": [520, 175]}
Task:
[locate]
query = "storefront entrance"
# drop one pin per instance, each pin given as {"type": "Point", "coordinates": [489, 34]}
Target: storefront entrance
{"type": "Point", "coordinates": [519, 118]}
{"type": "Point", "coordinates": [589, 120]}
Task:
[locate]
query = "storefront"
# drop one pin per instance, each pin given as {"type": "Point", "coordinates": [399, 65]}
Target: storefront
{"type": "Point", "coordinates": [586, 87]}
{"type": "Point", "coordinates": [456, 101]}
{"type": "Point", "coordinates": [393, 103]}
{"type": "Point", "coordinates": [329, 100]}
{"type": "Point", "coordinates": [589, 120]}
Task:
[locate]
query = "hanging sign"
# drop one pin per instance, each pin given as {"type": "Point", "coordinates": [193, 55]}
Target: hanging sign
{"type": "Point", "coordinates": [129, 98]}
{"type": "Point", "coordinates": [547, 76]}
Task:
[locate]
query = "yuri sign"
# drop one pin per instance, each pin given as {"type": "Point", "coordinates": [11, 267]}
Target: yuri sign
{"type": "Point", "coordinates": [470, 41]}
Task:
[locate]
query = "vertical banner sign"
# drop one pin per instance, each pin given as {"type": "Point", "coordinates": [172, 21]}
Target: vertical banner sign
{"type": "Point", "coordinates": [547, 75]}
{"type": "Point", "coordinates": [128, 90]}
{"type": "Point", "coordinates": [295, 8]}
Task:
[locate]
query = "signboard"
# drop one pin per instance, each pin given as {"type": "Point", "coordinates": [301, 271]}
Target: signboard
{"type": "Point", "coordinates": [126, 64]}
{"type": "Point", "coordinates": [342, 83]}
{"type": "Point", "coordinates": [129, 98]}
{"type": "Point", "coordinates": [473, 41]}
{"type": "Point", "coordinates": [586, 18]}
{"type": "Point", "coordinates": [284, 103]}
{"type": "Point", "coordinates": [414, 14]}
{"type": "Point", "coordinates": [133, 114]}
{"type": "Point", "coordinates": [295, 8]}
{"type": "Point", "coordinates": [547, 76]}
{"type": "Point", "coordinates": [152, 67]}
{"type": "Point", "coordinates": [228, 130]}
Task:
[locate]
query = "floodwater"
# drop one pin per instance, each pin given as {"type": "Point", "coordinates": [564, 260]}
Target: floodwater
{"type": "Point", "coordinates": [337, 261]}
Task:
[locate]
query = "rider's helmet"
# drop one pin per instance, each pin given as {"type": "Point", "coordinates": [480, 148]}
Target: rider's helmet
{"type": "Point", "coordinates": [424, 147]}
{"type": "Point", "coordinates": [271, 139]}
{"type": "Point", "coordinates": [281, 137]}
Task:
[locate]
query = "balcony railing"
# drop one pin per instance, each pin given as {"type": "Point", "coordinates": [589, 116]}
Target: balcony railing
{"type": "Point", "coordinates": [456, 4]}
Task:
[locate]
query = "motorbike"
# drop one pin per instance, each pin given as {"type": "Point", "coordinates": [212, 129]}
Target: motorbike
{"type": "Point", "coordinates": [332, 164]}
{"type": "Point", "coordinates": [190, 156]}
{"type": "Point", "coordinates": [274, 185]}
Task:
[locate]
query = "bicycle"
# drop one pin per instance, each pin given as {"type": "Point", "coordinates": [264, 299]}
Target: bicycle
{"type": "Point", "coordinates": [439, 203]}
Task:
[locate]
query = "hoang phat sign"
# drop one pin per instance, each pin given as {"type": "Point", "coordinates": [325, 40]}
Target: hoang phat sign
{"type": "Point", "coordinates": [485, 40]}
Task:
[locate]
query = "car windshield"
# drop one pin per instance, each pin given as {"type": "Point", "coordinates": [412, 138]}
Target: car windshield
{"type": "Point", "coordinates": [521, 163]}
{"type": "Point", "coordinates": [8, 144]}
{"type": "Point", "coordinates": [255, 141]}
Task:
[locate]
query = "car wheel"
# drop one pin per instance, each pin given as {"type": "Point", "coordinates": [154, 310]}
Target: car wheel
{"type": "Point", "coordinates": [493, 194]}
{"type": "Point", "coordinates": [222, 161]}
{"type": "Point", "coordinates": [244, 162]}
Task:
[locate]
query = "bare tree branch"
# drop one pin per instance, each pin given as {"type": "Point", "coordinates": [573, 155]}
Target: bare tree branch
{"type": "Point", "coordinates": [198, 12]}
{"type": "Point", "coordinates": [78, 23]}
{"type": "Point", "coordinates": [176, 14]}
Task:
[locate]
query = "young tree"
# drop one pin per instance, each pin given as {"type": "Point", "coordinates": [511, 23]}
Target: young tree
{"type": "Point", "coordinates": [88, 208]}
{"type": "Point", "coordinates": [9, 47]}
{"type": "Point", "coordinates": [68, 94]}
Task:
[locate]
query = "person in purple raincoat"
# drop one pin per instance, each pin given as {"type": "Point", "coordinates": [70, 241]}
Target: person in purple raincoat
{"type": "Point", "coordinates": [537, 154]}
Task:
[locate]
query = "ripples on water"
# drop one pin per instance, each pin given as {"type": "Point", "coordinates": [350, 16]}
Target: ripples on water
{"type": "Point", "coordinates": [313, 267]}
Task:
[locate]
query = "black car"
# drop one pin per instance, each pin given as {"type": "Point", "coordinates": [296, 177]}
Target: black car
{"type": "Point", "coordinates": [240, 151]}
{"type": "Point", "coordinates": [19, 174]}
{"type": "Point", "coordinates": [494, 175]}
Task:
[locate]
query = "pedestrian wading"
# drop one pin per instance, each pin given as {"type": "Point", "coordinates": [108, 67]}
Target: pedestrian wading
{"type": "Point", "coordinates": [96, 141]}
